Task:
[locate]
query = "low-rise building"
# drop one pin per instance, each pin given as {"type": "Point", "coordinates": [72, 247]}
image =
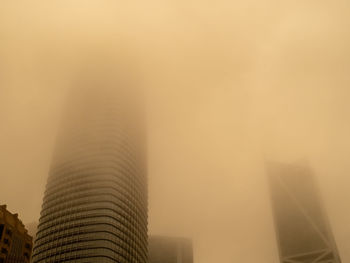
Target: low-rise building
{"type": "Point", "coordinates": [170, 250]}
{"type": "Point", "coordinates": [15, 242]}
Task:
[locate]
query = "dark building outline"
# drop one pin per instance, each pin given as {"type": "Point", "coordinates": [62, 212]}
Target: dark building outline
{"type": "Point", "coordinates": [277, 174]}
{"type": "Point", "coordinates": [165, 249]}
{"type": "Point", "coordinates": [15, 242]}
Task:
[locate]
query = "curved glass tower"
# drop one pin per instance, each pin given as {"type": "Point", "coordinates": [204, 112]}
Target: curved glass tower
{"type": "Point", "coordinates": [95, 203]}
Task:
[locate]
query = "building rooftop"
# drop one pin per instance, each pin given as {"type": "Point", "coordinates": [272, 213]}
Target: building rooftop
{"type": "Point", "coordinates": [6, 217]}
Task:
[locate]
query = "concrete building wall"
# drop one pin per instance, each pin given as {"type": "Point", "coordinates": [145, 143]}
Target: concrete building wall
{"type": "Point", "coordinates": [15, 242]}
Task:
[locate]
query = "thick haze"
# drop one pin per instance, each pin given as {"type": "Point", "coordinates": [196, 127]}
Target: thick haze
{"type": "Point", "coordinates": [229, 84]}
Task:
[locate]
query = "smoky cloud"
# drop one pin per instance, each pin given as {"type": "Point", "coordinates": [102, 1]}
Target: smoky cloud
{"type": "Point", "coordinates": [228, 84]}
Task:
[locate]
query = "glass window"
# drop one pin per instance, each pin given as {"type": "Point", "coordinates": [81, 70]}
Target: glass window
{"type": "Point", "coordinates": [1, 230]}
{"type": "Point", "coordinates": [8, 232]}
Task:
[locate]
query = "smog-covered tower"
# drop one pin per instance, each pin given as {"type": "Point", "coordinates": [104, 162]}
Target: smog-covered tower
{"type": "Point", "coordinates": [303, 232]}
{"type": "Point", "coordinates": [95, 204]}
{"type": "Point", "coordinates": [170, 250]}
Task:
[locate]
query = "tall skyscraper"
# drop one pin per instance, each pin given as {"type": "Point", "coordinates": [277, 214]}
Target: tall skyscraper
{"type": "Point", "coordinates": [170, 250]}
{"type": "Point", "coordinates": [303, 231]}
{"type": "Point", "coordinates": [15, 243]}
{"type": "Point", "coordinates": [95, 204]}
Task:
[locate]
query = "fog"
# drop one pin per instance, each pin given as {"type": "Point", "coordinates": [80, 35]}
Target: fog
{"type": "Point", "coordinates": [228, 84]}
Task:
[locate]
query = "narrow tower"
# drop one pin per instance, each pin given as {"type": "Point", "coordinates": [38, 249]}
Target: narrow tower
{"type": "Point", "coordinates": [95, 204]}
{"type": "Point", "coordinates": [303, 232]}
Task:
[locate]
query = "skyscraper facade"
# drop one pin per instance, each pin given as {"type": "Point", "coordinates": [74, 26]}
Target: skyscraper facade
{"type": "Point", "coordinates": [303, 231]}
{"type": "Point", "coordinates": [170, 250]}
{"type": "Point", "coordinates": [95, 204]}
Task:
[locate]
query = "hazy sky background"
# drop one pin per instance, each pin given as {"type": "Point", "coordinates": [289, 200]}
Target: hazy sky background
{"type": "Point", "coordinates": [229, 84]}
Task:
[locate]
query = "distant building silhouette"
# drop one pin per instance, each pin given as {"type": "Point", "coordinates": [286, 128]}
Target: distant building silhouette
{"type": "Point", "coordinates": [170, 250]}
{"type": "Point", "coordinates": [15, 243]}
{"type": "Point", "coordinates": [303, 231]}
{"type": "Point", "coordinates": [95, 203]}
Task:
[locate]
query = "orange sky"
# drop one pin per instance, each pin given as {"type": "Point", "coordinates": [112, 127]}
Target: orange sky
{"type": "Point", "coordinates": [228, 84]}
